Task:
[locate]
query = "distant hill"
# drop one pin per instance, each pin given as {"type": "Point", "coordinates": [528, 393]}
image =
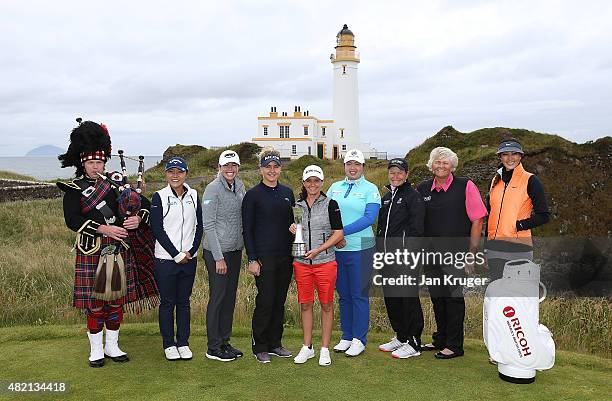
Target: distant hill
{"type": "Point", "coordinates": [576, 177]}
{"type": "Point", "coordinates": [46, 150]}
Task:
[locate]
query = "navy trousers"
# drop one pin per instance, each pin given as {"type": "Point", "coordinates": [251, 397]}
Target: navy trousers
{"type": "Point", "coordinates": [175, 282]}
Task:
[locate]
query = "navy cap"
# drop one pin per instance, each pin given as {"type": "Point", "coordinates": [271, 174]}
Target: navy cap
{"type": "Point", "coordinates": [399, 163]}
{"type": "Point", "coordinates": [176, 162]}
{"type": "Point", "coordinates": [267, 159]}
{"type": "Point", "coordinates": [510, 145]}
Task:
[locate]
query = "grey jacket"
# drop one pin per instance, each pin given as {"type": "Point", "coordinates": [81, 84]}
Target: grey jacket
{"type": "Point", "coordinates": [316, 229]}
{"type": "Point", "coordinates": [222, 216]}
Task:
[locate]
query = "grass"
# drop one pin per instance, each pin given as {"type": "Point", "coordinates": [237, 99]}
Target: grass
{"type": "Point", "coordinates": [59, 353]}
{"type": "Point", "coordinates": [9, 175]}
{"type": "Point", "coordinates": [37, 268]}
{"type": "Point", "coordinates": [36, 273]}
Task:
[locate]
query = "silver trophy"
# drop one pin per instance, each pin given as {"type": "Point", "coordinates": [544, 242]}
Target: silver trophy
{"type": "Point", "coordinates": [299, 246]}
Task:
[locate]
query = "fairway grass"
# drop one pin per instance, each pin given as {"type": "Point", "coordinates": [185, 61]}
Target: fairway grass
{"type": "Point", "coordinates": [59, 353]}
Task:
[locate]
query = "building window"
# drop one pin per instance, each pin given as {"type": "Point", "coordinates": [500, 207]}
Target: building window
{"type": "Point", "coordinates": [322, 131]}
{"type": "Point", "coordinates": [306, 130]}
{"type": "Point", "coordinates": [294, 149]}
{"type": "Point", "coordinates": [310, 150]}
{"type": "Point", "coordinates": [341, 132]}
{"type": "Point", "coordinates": [344, 147]}
{"type": "Point", "coordinates": [265, 130]}
{"type": "Point", "coordinates": [284, 131]}
{"type": "Point", "coordinates": [344, 70]}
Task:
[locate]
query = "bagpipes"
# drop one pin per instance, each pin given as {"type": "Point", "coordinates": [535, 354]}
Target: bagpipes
{"type": "Point", "coordinates": [141, 239]}
{"type": "Point", "coordinates": [129, 198]}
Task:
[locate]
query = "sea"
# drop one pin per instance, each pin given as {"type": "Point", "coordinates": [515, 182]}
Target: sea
{"type": "Point", "coordinates": [47, 168]}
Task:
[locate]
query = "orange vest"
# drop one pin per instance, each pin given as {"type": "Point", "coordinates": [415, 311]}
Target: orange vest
{"type": "Point", "coordinates": [508, 206]}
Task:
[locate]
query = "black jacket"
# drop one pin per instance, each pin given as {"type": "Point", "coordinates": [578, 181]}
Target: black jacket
{"type": "Point", "coordinates": [401, 217]}
{"type": "Point", "coordinates": [86, 224]}
{"type": "Point", "coordinates": [267, 214]}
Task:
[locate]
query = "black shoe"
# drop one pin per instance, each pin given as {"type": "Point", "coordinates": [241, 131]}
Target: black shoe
{"type": "Point", "coordinates": [440, 355]}
{"type": "Point", "coordinates": [120, 358]}
{"type": "Point", "coordinates": [98, 363]}
{"type": "Point", "coordinates": [220, 355]}
{"type": "Point", "coordinates": [228, 347]}
{"type": "Point", "coordinates": [281, 352]}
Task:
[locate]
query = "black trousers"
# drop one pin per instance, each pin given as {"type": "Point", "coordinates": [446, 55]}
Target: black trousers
{"type": "Point", "coordinates": [449, 313]}
{"type": "Point", "coordinates": [404, 306]}
{"type": "Point", "coordinates": [449, 310]}
{"type": "Point", "coordinates": [222, 298]}
{"type": "Point", "coordinates": [406, 318]}
{"type": "Point", "coordinates": [269, 314]}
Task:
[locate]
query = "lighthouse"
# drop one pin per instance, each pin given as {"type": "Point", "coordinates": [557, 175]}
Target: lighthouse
{"type": "Point", "coordinates": [298, 133]}
{"type": "Point", "coordinates": [345, 64]}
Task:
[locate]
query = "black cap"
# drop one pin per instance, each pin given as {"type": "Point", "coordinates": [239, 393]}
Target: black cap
{"type": "Point", "coordinates": [399, 163]}
{"type": "Point", "coordinates": [267, 159]}
{"type": "Point", "coordinates": [510, 145]}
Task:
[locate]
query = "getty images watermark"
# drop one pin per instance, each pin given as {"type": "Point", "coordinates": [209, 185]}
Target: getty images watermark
{"type": "Point", "coordinates": [402, 268]}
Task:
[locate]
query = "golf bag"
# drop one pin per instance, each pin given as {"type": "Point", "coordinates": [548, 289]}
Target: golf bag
{"type": "Point", "coordinates": [516, 340]}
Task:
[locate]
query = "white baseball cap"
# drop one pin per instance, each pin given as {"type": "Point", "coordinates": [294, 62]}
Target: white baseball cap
{"type": "Point", "coordinates": [228, 156]}
{"type": "Point", "coordinates": [354, 154]}
{"type": "Point", "coordinates": [312, 171]}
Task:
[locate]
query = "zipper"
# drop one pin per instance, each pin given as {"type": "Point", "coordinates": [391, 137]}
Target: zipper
{"type": "Point", "coordinates": [500, 208]}
{"type": "Point", "coordinates": [388, 216]}
{"type": "Point", "coordinates": [403, 238]}
{"type": "Point", "coordinates": [324, 242]}
{"type": "Point", "coordinates": [183, 221]}
{"type": "Point", "coordinates": [309, 233]}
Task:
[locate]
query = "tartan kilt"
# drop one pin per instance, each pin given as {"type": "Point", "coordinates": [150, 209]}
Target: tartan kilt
{"type": "Point", "coordinates": [142, 247]}
{"type": "Point", "coordinates": [85, 275]}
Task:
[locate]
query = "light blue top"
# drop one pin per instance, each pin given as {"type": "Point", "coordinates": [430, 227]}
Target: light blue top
{"type": "Point", "coordinates": [357, 218]}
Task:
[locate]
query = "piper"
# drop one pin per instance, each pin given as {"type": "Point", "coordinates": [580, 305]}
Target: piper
{"type": "Point", "coordinates": [107, 276]}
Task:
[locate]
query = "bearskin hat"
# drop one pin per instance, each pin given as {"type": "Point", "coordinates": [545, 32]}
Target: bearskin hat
{"type": "Point", "coordinates": [88, 141]}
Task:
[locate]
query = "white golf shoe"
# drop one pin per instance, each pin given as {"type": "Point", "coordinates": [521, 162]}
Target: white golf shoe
{"type": "Point", "coordinates": [356, 348]}
{"type": "Point", "coordinates": [324, 357]}
{"type": "Point", "coordinates": [405, 351]}
{"type": "Point", "coordinates": [172, 353]}
{"type": "Point", "coordinates": [391, 345]}
{"type": "Point", "coordinates": [304, 355]}
{"type": "Point", "coordinates": [342, 346]}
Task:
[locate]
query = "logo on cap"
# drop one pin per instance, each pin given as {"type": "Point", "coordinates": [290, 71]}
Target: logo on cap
{"type": "Point", "coordinates": [228, 155]}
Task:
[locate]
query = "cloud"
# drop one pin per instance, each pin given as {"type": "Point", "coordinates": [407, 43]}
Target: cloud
{"type": "Point", "coordinates": [201, 72]}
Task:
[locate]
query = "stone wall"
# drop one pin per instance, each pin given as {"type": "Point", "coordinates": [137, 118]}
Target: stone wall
{"type": "Point", "coordinates": [16, 190]}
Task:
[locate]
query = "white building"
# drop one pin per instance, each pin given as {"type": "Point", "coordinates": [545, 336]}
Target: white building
{"type": "Point", "coordinates": [299, 133]}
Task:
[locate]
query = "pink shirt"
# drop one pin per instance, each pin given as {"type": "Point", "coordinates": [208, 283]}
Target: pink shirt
{"type": "Point", "coordinates": [474, 206]}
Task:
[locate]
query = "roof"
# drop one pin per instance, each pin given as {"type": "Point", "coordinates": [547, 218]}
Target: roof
{"type": "Point", "coordinates": [345, 31]}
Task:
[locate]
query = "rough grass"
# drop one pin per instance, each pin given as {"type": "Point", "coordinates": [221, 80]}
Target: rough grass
{"type": "Point", "coordinates": [36, 276]}
{"type": "Point", "coordinates": [59, 353]}
{"type": "Point", "coordinates": [9, 175]}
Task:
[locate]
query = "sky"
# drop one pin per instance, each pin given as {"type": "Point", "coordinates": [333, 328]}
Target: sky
{"type": "Point", "coordinates": [160, 73]}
